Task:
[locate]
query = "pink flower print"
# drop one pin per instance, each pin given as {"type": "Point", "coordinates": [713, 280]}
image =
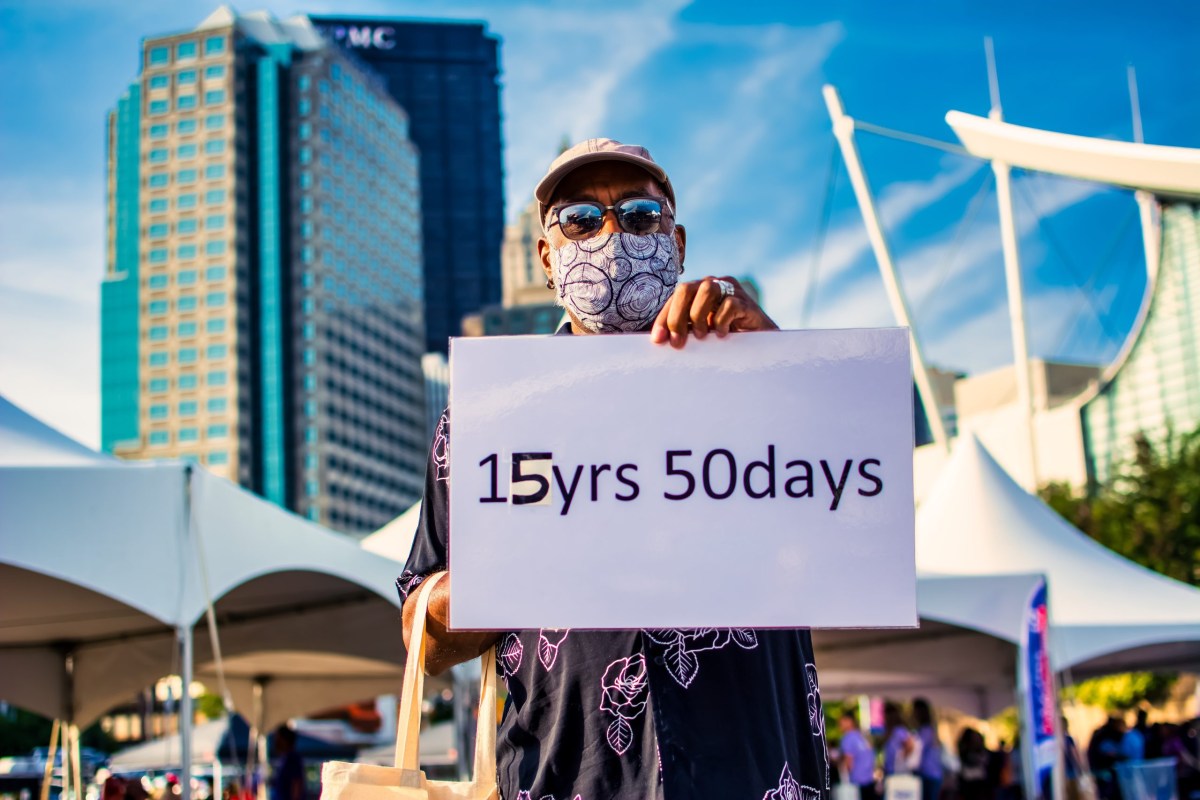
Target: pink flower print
{"type": "Point", "coordinates": [441, 451]}
{"type": "Point", "coordinates": [625, 693]}
{"type": "Point", "coordinates": [509, 653]}
{"type": "Point", "coordinates": [788, 789]}
{"type": "Point", "coordinates": [548, 641]}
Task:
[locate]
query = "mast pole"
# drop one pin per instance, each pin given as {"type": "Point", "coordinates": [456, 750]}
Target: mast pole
{"type": "Point", "coordinates": [843, 129]}
{"type": "Point", "coordinates": [1013, 281]}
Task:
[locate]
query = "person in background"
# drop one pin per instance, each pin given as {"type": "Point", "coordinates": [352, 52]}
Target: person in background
{"type": "Point", "coordinates": [898, 742]}
{"type": "Point", "coordinates": [287, 771]}
{"type": "Point", "coordinates": [1133, 743]}
{"type": "Point", "coordinates": [1104, 751]}
{"type": "Point", "coordinates": [930, 767]}
{"type": "Point", "coordinates": [973, 779]}
{"type": "Point", "coordinates": [857, 757]}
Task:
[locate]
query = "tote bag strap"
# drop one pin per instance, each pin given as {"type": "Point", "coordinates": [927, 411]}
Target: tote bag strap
{"type": "Point", "coordinates": [485, 729]}
{"type": "Point", "coordinates": [408, 729]}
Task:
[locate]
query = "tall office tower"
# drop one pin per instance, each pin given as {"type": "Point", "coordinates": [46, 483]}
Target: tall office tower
{"type": "Point", "coordinates": [524, 277]}
{"type": "Point", "coordinates": [445, 75]}
{"type": "Point", "coordinates": [261, 308]}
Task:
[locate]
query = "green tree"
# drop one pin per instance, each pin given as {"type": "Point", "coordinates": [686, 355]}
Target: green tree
{"type": "Point", "coordinates": [1150, 511]}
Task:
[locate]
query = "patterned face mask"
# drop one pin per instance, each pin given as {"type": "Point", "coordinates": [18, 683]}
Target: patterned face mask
{"type": "Point", "coordinates": [616, 281]}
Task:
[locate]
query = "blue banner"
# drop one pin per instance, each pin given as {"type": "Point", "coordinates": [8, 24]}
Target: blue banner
{"type": "Point", "coordinates": [1042, 704]}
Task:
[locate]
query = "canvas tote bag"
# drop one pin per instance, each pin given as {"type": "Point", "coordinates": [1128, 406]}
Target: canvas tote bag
{"type": "Point", "coordinates": [341, 780]}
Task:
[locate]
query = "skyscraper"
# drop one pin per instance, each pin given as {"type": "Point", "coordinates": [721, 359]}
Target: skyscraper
{"type": "Point", "coordinates": [261, 308]}
{"type": "Point", "coordinates": [445, 75]}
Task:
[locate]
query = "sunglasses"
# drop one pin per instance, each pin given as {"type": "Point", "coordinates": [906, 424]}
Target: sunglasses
{"type": "Point", "coordinates": [584, 218]}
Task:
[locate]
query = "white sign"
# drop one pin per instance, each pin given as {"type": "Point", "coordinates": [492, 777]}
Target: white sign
{"type": "Point", "coordinates": [761, 480]}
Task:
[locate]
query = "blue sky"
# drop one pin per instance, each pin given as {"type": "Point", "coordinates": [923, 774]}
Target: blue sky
{"type": "Point", "coordinates": [727, 97]}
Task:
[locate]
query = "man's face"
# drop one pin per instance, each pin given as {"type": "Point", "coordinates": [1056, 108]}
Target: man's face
{"type": "Point", "coordinates": [605, 182]}
{"type": "Point", "coordinates": [845, 724]}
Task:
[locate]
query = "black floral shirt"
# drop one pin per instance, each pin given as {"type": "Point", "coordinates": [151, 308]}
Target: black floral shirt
{"type": "Point", "coordinates": [592, 715]}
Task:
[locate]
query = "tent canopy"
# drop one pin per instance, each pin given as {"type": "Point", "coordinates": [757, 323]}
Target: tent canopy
{"type": "Point", "coordinates": [104, 561]}
{"type": "Point", "coordinates": [977, 522]}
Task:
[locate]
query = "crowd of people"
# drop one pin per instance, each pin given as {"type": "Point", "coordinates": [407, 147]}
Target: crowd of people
{"type": "Point", "coordinates": [909, 744]}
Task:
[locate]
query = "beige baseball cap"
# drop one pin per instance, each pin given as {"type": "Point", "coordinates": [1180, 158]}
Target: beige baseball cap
{"type": "Point", "coordinates": [590, 151]}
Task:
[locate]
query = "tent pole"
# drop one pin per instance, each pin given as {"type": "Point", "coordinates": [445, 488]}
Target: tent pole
{"type": "Point", "coordinates": [185, 712]}
{"type": "Point", "coordinates": [843, 131]}
{"type": "Point", "coordinates": [48, 773]}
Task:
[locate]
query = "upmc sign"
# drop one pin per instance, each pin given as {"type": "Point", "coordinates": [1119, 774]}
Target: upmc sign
{"type": "Point", "coordinates": [363, 37]}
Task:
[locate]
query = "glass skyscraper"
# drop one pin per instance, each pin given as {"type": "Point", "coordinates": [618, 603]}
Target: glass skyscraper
{"type": "Point", "coordinates": [445, 75]}
{"type": "Point", "coordinates": [261, 311]}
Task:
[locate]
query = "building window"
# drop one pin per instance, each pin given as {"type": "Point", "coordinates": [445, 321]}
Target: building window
{"type": "Point", "coordinates": [158, 281]}
{"type": "Point", "coordinates": [157, 308]}
{"type": "Point", "coordinates": [214, 171]}
{"type": "Point", "coordinates": [160, 82]}
{"type": "Point", "coordinates": [214, 274]}
{"type": "Point", "coordinates": [214, 248]}
{"type": "Point", "coordinates": [158, 180]}
{"type": "Point", "coordinates": [159, 438]}
{"type": "Point", "coordinates": [304, 83]}
{"type": "Point", "coordinates": [217, 378]}
{"type": "Point", "coordinates": [187, 277]}
{"type": "Point", "coordinates": [189, 434]}
{"type": "Point", "coordinates": [159, 385]}
{"type": "Point", "coordinates": [187, 330]}
{"type": "Point", "coordinates": [159, 411]}
{"type": "Point", "coordinates": [158, 131]}
{"type": "Point", "coordinates": [158, 231]}
{"type": "Point", "coordinates": [216, 351]}
{"type": "Point", "coordinates": [307, 254]}
{"type": "Point", "coordinates": [215, 299]}
{"type": "Point", "coordinates": [214, 45]}
{"type": "Point", "coordinates": [306, 180]}
{"type": "Point", "coordinates": [214, 197]}
{"type": "Point", "coordinates": [185, 127]}
{"type": "Point", "coordinates": [186, 151]}
{"type": "Point", "coordinates": [310, 356]}
{"type": "Point", "coordinates": [310, 435]}
{"type": "Point", "coordinates": [158, 255]}
{"type": "Point", "coordinates": [215, 71]}
{"type": "Point", "coordinates": [159, 155]}
{"type": "Point", "coordinates": [159, 359]}
{"type": "Point", "coordinates": [188, 408]}
{"type": "Point", "coordinates": [218, 431]}
{"type": "Point", "coordinates": [304, 131]}
{"type": "Point", "coordinates": [312, 488]}
{"type": "Point", "coordinates": [186, 251]}
{"type": "Point", "coordinates": [185, 201]}
{"type": "Point", "coordinates": [214, 147]}
{"type": "Point", "coordinates": [214, 122]}
{"type": "Point", "coordinates": [186, 226]}
{"type": "Point", "coordinates": [214, 222]}
{"type": "Point", "coordinates": [214, 98]}
{"type": "Point", "coordinates": [159, 107]}
{"type": "Point", "coordinates": [159, 56]}
{"type": "Point", "coordinates": [187, 381]}
{"type": "Point", "coordinates": [215, 326]}
{"type": "Point", "coordinates": [186, 176]}
{"type": "Point", "coordinates": [304, 106]}
{"type": "Point", "coordinates": [158, 333]}
{"type": "Point", "coordinates": [188, 355]}
{"type": "Point", "coordinates": [218, 458]}
{"type": "Point", "coordinates": [187, 303]}
{"type": "Point", "coordinates": [216, 405]}
{"type": "Point", "coordinates": [185, 102]}
{"type": "Point", "coordinates": [185, 50]}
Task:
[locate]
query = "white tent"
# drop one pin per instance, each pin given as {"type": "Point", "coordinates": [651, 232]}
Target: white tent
{"type": "Point", "coordinates": [395, 539]}
{"type": "Point", "coordinates": [1106, 612]}
{"type": "Point", "coordinates": [106, 563]}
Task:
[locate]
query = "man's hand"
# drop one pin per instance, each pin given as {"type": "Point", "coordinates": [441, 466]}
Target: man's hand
{"type": "Point", "coordinates": [699, 307]}
{"type": "Point", "coordinates": [443, 648]}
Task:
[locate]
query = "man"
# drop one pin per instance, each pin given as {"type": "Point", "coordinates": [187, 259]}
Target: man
{"type": "Point", "coordinates": [708, 713]}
